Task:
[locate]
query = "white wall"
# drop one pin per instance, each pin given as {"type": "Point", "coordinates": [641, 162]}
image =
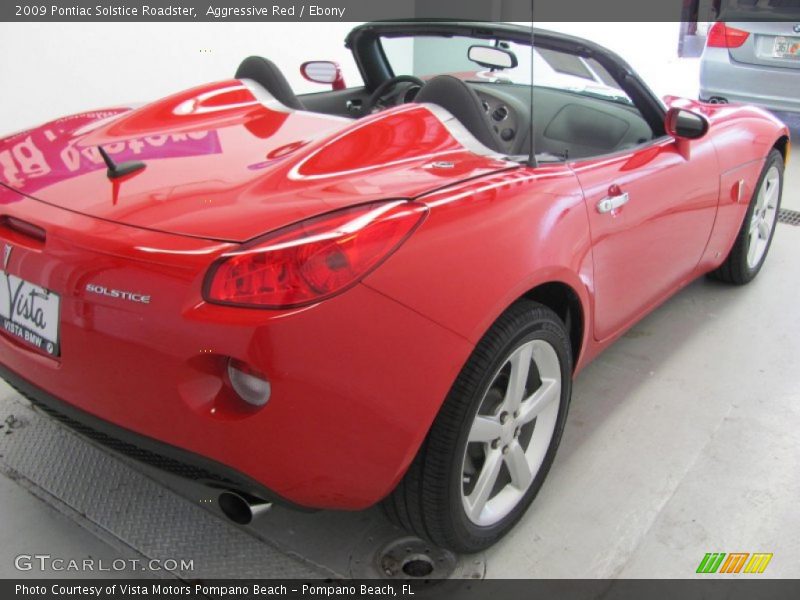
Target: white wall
{"type": "Point", "coordinates": [49, 70]}
{"type": "Point", "coordinates": [52, 69]}
{"type": "Point", "coordinates": [650, 48]}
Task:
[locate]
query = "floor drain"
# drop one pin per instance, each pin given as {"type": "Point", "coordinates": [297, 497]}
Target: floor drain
{"type": "Point", "coordinates": [414, 558]}
{"type": "Point", "coordinates": [418, 565]}
{"type": "Point", "coordinates": [789, 217]}
{"type": "Point", "coordinates": [387, 552]}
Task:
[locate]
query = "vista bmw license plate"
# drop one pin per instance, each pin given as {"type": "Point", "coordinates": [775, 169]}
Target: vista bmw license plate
{"type": "Point", "coordinates": [29, 312]}
{"type": "Point", "coordinates": [786, 47]}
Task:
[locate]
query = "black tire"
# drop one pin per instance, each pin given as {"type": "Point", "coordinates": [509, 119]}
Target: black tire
{"type": "Point", "coordinates": [736, 270]}
{"type": "Point", "coordinates": [428, 501]}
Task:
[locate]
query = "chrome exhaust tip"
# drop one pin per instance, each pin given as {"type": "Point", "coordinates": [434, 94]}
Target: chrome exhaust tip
{"type": "Point", "coordinates": [242, 508]}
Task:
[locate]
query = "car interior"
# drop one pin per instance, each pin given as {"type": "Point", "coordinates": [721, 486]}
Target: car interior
{"type": "Point", "coordinates": [569, 124]}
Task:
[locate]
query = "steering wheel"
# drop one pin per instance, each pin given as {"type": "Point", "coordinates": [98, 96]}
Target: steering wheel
{"type": "Point", "coordinates": [378, 97]}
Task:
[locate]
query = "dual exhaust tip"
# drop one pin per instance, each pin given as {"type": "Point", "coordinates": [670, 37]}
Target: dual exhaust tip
{"type": "Point", "coordinates": [242, 508]}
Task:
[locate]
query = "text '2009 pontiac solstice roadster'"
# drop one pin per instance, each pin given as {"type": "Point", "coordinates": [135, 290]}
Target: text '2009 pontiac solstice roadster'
{"type": "Point", "coordinates": [369, 294]}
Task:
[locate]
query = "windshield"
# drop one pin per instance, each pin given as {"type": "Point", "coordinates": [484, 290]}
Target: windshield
{"type": "Point", "coordinates": [428, 56]}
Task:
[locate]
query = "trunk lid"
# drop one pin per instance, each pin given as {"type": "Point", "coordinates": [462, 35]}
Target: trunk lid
{"type": "Point", "coordinates": [226, 162]}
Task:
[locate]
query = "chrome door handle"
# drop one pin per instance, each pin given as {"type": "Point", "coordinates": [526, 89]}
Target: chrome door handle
{"type": "Point", "coordinates": [609, 203]}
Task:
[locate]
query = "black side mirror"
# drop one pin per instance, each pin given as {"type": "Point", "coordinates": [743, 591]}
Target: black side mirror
{"type": "Point", "coordinates": [685, 124]}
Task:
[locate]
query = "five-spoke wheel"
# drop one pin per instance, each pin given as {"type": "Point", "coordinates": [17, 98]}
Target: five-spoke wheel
{"type": "Point", "coordinates": [492, 444]}
{"type": "Point", "coordinates": [765, 213]}
{"type": "Point", "coordinates": [752, 243]}
{"type": "Point", "coordinates": [511, 432]}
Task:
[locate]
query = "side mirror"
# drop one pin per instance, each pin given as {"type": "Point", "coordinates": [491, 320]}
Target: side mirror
{"type": "Point", "coordinates": [684, 124]}
{"type": "Point", "coordinates": [492, 57]}
{"type": "Point", "coordinates": [323, 71]}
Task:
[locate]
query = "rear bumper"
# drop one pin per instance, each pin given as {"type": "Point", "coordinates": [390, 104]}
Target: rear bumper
{"type": "Point", "coordinates": [138, 447]}
{"type": "Point", "coordinates": [354, 391]}
{"type": "Point", "coordinates": [767, 87]}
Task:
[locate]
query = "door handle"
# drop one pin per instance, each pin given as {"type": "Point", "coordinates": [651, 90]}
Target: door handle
{"type": "Point", "coordinates": [609, 203]}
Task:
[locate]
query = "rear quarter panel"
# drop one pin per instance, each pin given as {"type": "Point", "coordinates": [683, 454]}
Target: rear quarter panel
{"type": "Point", "coordinates": [488, 241]}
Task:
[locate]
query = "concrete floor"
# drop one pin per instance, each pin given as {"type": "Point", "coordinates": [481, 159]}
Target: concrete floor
{"type": "Point", "coordinates": [31, 527]}
{"type": "Point", "coordinates": [681, 440]}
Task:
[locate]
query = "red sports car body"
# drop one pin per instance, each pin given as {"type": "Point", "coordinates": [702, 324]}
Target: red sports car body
{"type": "Point", "coordinates": [160, 292]}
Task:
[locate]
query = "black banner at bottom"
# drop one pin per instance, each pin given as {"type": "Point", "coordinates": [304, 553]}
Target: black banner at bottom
{"type": "Point", "coordinates": [578, 589]}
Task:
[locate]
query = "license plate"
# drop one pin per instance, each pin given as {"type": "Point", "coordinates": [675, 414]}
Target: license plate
{"type": "Point", "coordinates": [30, 313]}
{"type": "Point", "coordinates": [786, 47]}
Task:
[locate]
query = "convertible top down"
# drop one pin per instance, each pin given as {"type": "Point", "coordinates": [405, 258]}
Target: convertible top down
{"type": "Point", "coordinates": [373, 293]}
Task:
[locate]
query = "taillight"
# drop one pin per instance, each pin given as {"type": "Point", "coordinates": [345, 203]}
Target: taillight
{"type": "Point", "coordinates": [722, 36]}
{"type": "Point", "coordinates": [312, 260]}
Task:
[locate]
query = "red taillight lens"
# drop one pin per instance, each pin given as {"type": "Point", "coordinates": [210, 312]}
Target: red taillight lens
{"type": "Point", "coordinates": [722, 36]}
{"type": "Point", "coordinates": [312, 260]}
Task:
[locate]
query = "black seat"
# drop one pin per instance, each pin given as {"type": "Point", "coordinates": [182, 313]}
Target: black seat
{"type": "Point", "coordinates": [266, 73]}
{"type": "Point", "coordinates": [463, 103]}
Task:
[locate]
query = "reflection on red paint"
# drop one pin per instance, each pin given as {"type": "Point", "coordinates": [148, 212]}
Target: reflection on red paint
{"type": "Point", "coordinates": [386, 140]}
{"type": "Point", "coordinates": [39, 157]}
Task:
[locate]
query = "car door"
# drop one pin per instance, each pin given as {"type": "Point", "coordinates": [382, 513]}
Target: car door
{"type": "Point", "coordinates": [651, 211]}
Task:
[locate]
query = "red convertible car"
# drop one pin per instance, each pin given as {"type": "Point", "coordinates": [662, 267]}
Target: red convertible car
{"type": "Point", "coordinates": [372, 294]}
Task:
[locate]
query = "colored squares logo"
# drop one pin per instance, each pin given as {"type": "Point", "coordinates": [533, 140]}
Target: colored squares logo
{"type": "Point", "coordinates": [735, 562]}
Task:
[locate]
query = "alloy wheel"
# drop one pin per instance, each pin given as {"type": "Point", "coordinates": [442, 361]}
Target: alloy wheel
{"type": "Point", "coordinates": [764, 216]}
{"type": "Point", "coordinates": [511, 432]}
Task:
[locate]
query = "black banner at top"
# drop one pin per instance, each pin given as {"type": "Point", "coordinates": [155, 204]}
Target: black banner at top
{"type": "Point", "coordinates": [371, 10]}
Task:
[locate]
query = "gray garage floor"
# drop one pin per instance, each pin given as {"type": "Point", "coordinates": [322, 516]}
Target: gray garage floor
{"type": "Point", "coordinates": [682, 440]}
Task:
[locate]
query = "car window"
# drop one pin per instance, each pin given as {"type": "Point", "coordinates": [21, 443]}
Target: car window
{"type": "Point", "coordinates": [578, 110]}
